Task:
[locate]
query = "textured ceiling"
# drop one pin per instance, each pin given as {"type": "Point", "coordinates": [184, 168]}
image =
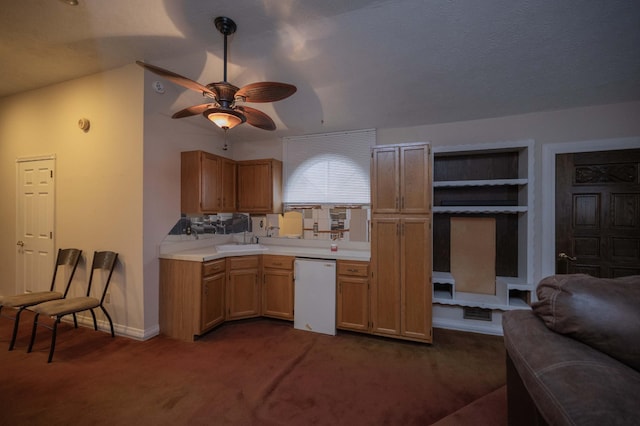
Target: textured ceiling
{"type": "Point", "coordinates": [357, 64]}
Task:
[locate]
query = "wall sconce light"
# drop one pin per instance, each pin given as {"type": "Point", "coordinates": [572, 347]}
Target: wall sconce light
{"type": "Point", "coordinates": [84, 124]}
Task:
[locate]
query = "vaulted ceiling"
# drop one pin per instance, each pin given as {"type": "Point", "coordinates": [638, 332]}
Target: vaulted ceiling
{"type": "Point", "coordinates": [357, 64]}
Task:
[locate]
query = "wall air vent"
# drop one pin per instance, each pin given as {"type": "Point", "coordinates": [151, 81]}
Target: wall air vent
{"type": "Point", "coordinates": [477, 314]}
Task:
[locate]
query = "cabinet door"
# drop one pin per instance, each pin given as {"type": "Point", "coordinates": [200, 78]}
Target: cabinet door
{"type": "Point", "coordinates": [385, 291]}
{"type": "Point", "coordinates": [416, 278]}
{"type": "Point", "coordinates": [254, 187]}
{"type": "Point", "coordinates": [385, 180]}
{"type": "Point", "coordinates": [210, 196]}
{"type": "Point", "coordinates": [242, 294]}
{"type": "Point", "coordinates": [352, 303]}
{"type": "Point", "coordinates": [213, 289]}
{"type": "Point", "coordinates": [277, 293]}
{"type": "Point", "coordinates": [228, 186]}
{"type": "Point", "coordinates": [415, 179]}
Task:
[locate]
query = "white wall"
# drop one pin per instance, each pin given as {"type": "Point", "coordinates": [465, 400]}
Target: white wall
{"type": "Point", "coordinates": [98, 177]}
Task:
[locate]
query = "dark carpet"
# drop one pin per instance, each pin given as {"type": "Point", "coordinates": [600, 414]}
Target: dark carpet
{"type": "Point", "coordinates": [258, 372]}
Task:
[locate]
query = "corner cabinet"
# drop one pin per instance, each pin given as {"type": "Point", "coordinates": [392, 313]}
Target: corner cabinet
{"type": "Point", "coordinates": [207, 183]}
{"type": "Point", "coordinates": [492, 180]}
{"type": "Point", "coordinates": [401, 294]}
{"type": "Point", "coordinates": [191, 297]}
{"type": "Point", "coordinates": [277, 286]}
{"type": "Point", "coordinates": [260, 186]}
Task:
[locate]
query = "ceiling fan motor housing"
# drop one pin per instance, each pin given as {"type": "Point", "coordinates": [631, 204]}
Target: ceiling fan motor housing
{"type": "Point", "coordinates": [225, 25]}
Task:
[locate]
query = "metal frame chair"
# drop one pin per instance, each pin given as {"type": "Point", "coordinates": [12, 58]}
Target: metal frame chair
{"type": "Point", "coordinates": [66, 258]}
{"type": "Point", "coordinates": [103, 260]}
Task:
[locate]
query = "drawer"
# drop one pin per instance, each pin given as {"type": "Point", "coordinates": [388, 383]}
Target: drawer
{"type": "Point", "coordinates": [213, 267]}
{"type": "Point", "coordinates": [243, 262]}
{"type": "Point", "coordinates": [275, 261]}
{"type": "Point", "coordinates": [360, 269]}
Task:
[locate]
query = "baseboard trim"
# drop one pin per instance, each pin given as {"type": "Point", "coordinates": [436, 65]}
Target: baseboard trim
{"type": "Point", "coordinates": [120, 330]}
{"type": "Point", "coordinates": [449, 324]}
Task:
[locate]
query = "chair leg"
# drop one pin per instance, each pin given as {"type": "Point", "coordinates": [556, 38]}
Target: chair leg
{"type": "Point", "coordinates": [95, 322]}
{"type": "Point", "coordinates": [33, 332]}
{"type": "Point", "coordinates": [15, 329]}
{"type": "Point", "coordinates": [109, 318]}
{"type": "Point", "coordinates": [75, 320]}
{"type": "Point", "coordinates": [53, 338]}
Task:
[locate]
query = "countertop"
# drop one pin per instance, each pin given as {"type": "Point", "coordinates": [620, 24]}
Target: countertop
{"type": "Point", "coordinates": [203, 254]}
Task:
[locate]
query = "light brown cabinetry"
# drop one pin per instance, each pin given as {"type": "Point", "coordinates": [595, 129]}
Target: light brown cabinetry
{"type": "Point", "coordinates": [401, 290]}
{"type": "Point", "coordinates": [208, 183]}
{"type": "Point", "coordinates": [191, 297]}
{"type": "Point", "coordinates": [352, 301]}
{"type": "Point", "coordinates": [277, 286]}
{"type": "Point", "coordinates": [243, 287]}
{"type": "Point", "coordinates": [213, 289]}
{"type": "Point", "coordinates": [259, 186]}
{"type": "Point", "coordinates": [401, 179]}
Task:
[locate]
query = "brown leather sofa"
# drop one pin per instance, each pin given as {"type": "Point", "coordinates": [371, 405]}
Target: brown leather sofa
{"type": "Point", "coordinates": [574, 359]}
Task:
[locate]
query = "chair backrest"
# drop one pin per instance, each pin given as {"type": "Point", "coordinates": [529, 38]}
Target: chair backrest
{"type": "Point", "coordinates": [66, 257]}
{"type": "Point", "coordinates": [106, 261]}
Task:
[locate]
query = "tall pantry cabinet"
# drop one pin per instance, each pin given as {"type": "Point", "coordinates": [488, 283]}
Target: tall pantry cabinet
{"type": "Point", "coordinates": [401, 293]}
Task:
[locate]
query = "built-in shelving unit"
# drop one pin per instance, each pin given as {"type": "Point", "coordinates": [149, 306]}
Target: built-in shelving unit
{"type": "Point", "coordinates": [484, 180]}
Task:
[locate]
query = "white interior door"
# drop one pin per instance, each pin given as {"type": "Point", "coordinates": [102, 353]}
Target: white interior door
{"type": "Point", "coordinates": [34, 224]}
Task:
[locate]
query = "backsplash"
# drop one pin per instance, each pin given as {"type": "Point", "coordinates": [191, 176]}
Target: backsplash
{"type": "Point", "coordinates": [211, 224]}
{"type": "Point", "coordinates": [320, 223]}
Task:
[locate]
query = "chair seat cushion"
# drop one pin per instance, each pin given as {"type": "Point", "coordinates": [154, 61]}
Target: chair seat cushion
{"type": "Point", "coordinates": [28, 299]}
{"type": "Point", "coordinates": [65, 306]}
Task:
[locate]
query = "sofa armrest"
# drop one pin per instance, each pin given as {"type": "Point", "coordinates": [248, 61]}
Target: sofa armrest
{"type": "Point", "coordinates": [569, 382]}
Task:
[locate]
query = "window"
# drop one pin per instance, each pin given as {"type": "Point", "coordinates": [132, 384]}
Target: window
{"type": "Point", "coordinates": [329, 168]}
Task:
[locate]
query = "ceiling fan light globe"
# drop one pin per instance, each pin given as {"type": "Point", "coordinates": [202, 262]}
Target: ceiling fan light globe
{"type": "Point", "coordinates": [225, 119]}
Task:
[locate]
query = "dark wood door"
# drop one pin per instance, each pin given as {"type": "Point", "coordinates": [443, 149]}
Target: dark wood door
{"type": "Point", "coordinates": [598, 213]}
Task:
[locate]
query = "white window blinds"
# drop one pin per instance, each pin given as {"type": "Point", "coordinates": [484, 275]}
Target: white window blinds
{"type": "Point", "coordinates": [328, 168]}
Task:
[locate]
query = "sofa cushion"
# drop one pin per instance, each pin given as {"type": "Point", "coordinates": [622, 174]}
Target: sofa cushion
{"type": "Point", "coordinates": [602, 313]}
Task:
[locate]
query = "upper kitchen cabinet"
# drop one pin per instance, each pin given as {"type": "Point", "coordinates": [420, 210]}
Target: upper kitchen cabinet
{"type": "Point", "coordinates": [260, 186]}
{"type": "Point", "coordinates": [208, 183]}
{"type": "Point", "coordinates": [400, 179]}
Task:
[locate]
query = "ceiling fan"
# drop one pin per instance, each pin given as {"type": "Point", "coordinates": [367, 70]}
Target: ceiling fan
{"type": "Point", "coordinates": [222, 108]}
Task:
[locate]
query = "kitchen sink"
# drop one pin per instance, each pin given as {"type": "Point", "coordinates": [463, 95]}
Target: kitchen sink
{"type": "Point", "coordinates": [239, 247]}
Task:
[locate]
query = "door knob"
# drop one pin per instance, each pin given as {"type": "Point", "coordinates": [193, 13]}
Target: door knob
{"type": "Point", "coordinates": [20, 243]}
{"type": "Point", "coordinates": [567, 257]}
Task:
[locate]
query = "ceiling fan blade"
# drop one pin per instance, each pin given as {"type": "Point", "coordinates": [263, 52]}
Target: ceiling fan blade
{"type": "Point", "coordinates": [257, 118]}
{"type": "Point", "coordinates": [266, 91]}
{"type": "Point", "coordinates": [192, 110]}
{"type": "Point", "coordinates": [177, 78]}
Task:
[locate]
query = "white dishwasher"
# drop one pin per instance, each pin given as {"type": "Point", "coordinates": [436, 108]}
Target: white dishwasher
{"type": "Point", "coordinates": [315, 295]}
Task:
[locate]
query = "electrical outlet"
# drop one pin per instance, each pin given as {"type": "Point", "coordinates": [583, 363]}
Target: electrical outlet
{"type": "Point", "coordinates": [107, 298]}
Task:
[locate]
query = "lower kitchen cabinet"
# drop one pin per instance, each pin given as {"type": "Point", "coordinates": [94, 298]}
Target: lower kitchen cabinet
{"type": "Point", "coordinates": [191, 297]}
{"type": "Point", "coordinates": [214, 284]}
{"type": "Point", "coordinates": [352, 301]}
{"type": "Point", "coordinates": [277, 286]}
{"type": "Point", "coordinates": [243, 287]}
